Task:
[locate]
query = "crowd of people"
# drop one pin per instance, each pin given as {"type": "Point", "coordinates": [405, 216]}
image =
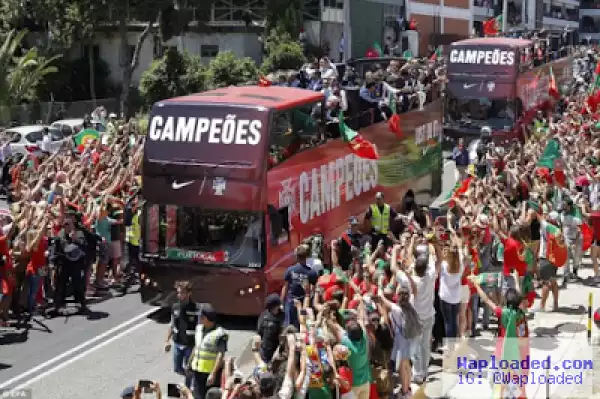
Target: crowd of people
{"type": "Point", "coordinates": [400, 281]}
{"type": "Point", "coordinates": [70, 218]}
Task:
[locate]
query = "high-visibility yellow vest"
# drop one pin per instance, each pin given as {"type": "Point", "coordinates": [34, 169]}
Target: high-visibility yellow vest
{"type": "Point", "coordinates": [205, 351]}
{"type": "Point", "coordinates": [133, 232]}
{"type": "Point", "coordinates": [380, 220]}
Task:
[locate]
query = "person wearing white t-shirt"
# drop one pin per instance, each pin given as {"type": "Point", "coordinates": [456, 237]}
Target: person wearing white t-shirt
{"type": "Point", "coordinates": [46, 145]}
{"type": "Point", "coordinates": [451, 271]}
{"type": "Point", "coordinates": [426, 271]}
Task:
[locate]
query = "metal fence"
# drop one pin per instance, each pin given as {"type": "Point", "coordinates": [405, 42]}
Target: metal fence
{"type": "Point", "coordinates": [48, 112]}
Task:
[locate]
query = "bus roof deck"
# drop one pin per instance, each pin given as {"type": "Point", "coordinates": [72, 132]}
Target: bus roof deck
{"type": "Point", "coordinates": [495, 41]}
{"type": "Point", "coordinates": [273, 97]}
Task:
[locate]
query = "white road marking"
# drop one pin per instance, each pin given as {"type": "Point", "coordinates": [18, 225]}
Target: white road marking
{"type": "Point", "coordinates": [81, 355]}
{"type": "Point", "coordinates": [71, 351]}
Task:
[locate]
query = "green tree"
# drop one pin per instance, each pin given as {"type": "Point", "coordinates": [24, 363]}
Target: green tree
{"type": "Point", "coordinates": [228, 70]}
{"type": "Point", "coordinates": [282, 53]}
{"type": "Point", "coordinates": [284, 16]}
{"type": "Point", "coordinates": [20, 75]}
{"type": "Point", "coordinates": [173, 75]}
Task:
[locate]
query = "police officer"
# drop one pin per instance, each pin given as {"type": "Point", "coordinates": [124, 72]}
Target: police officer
{"type": "Point", "coordinates": [184, 318]}
{"type": "Point", "coordinates": [270, 325]}
{"type": "Point", "coordinates": [381, 216]}
{"type": "Point", "coordinates": [206, 362]}
{"type": "Point", "coordinates": [348, 240]}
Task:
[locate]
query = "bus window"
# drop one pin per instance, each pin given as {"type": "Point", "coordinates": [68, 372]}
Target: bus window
{"type": "Point", "coordinates": [497, 113]}
{"type": "Point", "coordinates": [280, 224]}
{"type": "Point", "coordinates": [292, 131]}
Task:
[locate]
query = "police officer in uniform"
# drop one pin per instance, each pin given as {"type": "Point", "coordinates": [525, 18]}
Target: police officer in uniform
{"type": "Point", "coordinates": [345, 244]}
{"type": "Point", "coordinates": [184, 318]}
{"type": "Point", "coordinates": [206, 362]}
{"type": "Point", "coordinates": [381, 216]}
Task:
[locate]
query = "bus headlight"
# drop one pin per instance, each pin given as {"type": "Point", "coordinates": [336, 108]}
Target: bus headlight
{"type": "Point", "coordinates": [249, 290]}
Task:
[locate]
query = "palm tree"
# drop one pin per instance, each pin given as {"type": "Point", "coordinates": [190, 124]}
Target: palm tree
{"type": "Point", "coordinates": [20, 75]}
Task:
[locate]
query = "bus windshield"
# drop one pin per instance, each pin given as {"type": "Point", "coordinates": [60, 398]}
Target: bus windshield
{"type": "Point", "coordinates": [205, 236]}
{"type": "Point", "coordinates": [476, 112]}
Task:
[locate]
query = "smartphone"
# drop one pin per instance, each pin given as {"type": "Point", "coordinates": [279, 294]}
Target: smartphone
{"type": "Point", "coordinates": [173, 391]}
{"type": "Point", "coordinates": [145, 385]}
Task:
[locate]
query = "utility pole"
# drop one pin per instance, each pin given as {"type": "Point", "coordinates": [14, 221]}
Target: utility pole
{"type": "Point", "coordinates": [504, 15]}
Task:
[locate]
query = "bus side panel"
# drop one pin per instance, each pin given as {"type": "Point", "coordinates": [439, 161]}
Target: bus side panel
{"type": "Point", "coordinates": [319, 189]}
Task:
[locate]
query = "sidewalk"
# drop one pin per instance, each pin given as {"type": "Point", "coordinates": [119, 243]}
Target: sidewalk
{"type": "Point", "coordinates": [561, 335]}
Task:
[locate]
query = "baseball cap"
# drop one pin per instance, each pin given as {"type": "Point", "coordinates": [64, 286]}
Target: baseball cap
{"type": "Point", "coordinates": [379, 195]}
{"type": "Point", "coordinates": [209, 312]}
{"type": "Point", "coordinates": [128, 392]}
{"type": "Point", "coordinates": [272, 301]}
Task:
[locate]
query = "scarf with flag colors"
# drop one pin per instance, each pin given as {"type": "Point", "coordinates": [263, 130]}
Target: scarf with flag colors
{"type": "Point", "coordinates": [394, 121]}
{"type": "Point", "coordinates": [360, 147]}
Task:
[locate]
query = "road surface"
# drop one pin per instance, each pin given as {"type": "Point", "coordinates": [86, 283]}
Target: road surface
{"type": "Point", "coordinates": [120, 342]}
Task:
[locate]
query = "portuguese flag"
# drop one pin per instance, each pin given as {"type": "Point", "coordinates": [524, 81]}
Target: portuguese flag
{"type": "Point", "coordinates": [84, 137]}
{"type": "Point", "coordinates": [459, 188]}
{"type": "Point", "coordinates": [513, 347]}
{"type": "Point", "coordinates": [360, 147]}
{"type": "Point", "coordinates": [556, 249]}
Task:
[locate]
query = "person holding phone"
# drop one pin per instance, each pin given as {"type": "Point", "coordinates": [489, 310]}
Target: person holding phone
{"type": "Point", "coordinates": [142, 387]}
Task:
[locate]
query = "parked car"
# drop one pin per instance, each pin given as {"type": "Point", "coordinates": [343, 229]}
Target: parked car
{"type": "Point", "coordinates": [68, 127]}
{"type": "Point", "coordinates": [27, 140]}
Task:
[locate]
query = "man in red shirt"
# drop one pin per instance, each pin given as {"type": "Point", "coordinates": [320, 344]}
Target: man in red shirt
{"type": "Point", "coordinates": [513, 248]}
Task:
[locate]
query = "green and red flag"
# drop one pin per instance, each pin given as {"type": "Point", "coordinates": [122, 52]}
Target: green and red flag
{"type": "Point", "coordinates": [527, 289]}
{"type": "Point", "coordinates": [360, 147]}
{"type": "Point", "coordinates": [556, 249]}
{"type": "Point", "coordinates": [394, 121]}
{"type": "Point", "coordinates": [489, 280]}
{"type": "Point", "coordinates": [85, 137]}
{"type": "Point", "coordinates": [513, 347]}
{"type": "Point", "coordinates": [491, 27]}
{"type": "Point", "coordinates": [436, 55]}
{"type": "Point", "coordinates": [551, 160]}
{"type": "Point", "coordinates": [378, 49]}
{"type": "Point", "coordinates": [587, 235]}
{"type": "Point", "coordinates": [460, 187]}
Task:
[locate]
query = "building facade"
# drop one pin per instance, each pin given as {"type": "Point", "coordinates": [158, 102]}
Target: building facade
{"type": "Point", "coordinates": [589, 24]}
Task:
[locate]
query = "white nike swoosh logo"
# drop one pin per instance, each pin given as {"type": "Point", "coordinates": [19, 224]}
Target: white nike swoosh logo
{"type": "Point", "coordinates": [177, 186]}
{"type": "Point", "coordinates": [469, 86]}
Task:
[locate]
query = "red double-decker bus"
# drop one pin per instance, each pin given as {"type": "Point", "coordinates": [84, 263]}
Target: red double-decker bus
{"type": "Point", "coordinates": [235, 178]}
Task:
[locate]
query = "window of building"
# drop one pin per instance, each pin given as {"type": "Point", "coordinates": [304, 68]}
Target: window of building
{"type": "Point", "coordinates": [237, 10]}
{"type": "Point", "coordinates": [334, 3]}
{"type": "Point", "coordinates": [209, 50]}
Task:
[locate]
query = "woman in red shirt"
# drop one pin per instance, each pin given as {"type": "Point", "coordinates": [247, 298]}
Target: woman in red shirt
{"type": "Point", "coordinates": [37, 246]}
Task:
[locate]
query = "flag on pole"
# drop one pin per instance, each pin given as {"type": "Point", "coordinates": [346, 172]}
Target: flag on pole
{"type": "Point", "coordinates": [459, 188]}
{"type": "Point", "coordinates": [359, 146]}
{"type": "Point", "coordinates": [553, 88]}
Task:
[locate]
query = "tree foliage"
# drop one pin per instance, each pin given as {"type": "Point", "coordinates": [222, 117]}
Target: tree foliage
{"type": "Point", "coordinates": [284, 16]}
{"type": "Point", "coordinates": [228, 70]}
{"type": "Point", "coordinates": [282, 52]}
{"type": "Point", "coordinates": [20, 75]}
{"type": "Point", "coordinates": [173, 75]}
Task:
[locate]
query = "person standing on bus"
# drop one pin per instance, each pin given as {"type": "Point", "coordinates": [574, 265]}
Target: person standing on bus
{"type": "Point", "coordinates": [380, 216]}
{"type": "Point", "coordinates": [184, 318]}
{"type": "Point", "coordinates": [460, 156]}
{"type": "Point", "coordinates": [299, 279]}
{"type": "Point", "coordinates": [352, 238]}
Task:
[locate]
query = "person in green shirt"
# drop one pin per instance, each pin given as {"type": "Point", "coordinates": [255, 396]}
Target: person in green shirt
{"type": "Point", "coordinates": [355, 338]}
